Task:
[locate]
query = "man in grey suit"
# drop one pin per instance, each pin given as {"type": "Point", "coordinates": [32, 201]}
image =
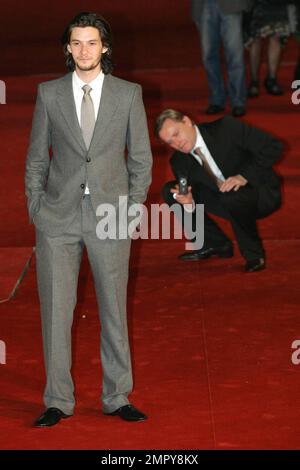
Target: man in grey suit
{"type": "Point", "coordinates": [88, 119]}
{"type": "Point", "coordinates": [216, 21]}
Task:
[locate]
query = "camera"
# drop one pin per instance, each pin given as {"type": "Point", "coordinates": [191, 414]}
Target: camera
{"type": "Point", "coordinates": [183, 185]}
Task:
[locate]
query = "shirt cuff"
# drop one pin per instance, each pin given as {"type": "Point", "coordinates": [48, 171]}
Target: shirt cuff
{"type": "Point", "coordinates": [189, 207]}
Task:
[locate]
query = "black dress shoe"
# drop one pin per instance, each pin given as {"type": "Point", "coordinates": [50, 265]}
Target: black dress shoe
{"type": "Point", "coordinates": [255, 265]}
{"type": "Point", "coordinates": [272, 87]}
{"type": "Point", "coordinates": [214, 109]}
{"type": "Point", "coordinates": [225, 251]}
{"type": "Point", "coordinates": [51, 417]}
{"type": "Point", "coordinates": [238, 111]}
{"type": "Point", "coordinates": [129, 413]}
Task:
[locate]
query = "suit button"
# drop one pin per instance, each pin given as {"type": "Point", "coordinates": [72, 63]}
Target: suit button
{"type": "Point", "coordinates": [88, 160]}
{"type": "Point", "coordinates": [82, 186]}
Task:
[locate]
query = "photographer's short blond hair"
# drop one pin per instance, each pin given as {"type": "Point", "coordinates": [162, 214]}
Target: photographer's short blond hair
{"type": "Point", "coordinates": [167, 114]}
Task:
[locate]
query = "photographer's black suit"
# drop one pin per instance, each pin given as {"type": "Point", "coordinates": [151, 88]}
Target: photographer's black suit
{"type": "Point", "coordinates": [237, 148]}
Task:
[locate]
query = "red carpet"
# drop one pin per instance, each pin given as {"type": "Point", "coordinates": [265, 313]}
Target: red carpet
{"type": "Point", "coordinates": [211, 346]}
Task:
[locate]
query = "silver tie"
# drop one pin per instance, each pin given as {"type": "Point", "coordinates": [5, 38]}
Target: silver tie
{"type": "Point", "coordinates": [87, 116]}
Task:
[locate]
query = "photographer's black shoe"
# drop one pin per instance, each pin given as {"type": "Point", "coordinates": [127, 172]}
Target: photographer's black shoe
{"type": "Point", "coordinates": [224, 251]}
{"type": "Point", "coordinates": [255, 265]}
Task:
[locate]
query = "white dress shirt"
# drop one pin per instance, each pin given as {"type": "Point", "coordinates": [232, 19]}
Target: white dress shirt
{"type": "Point", "coordinates": [203, 148]}
{"type": "Point", "coordinates": [215, 169]}
{"type": "Point", "coordinates": [95, 94]}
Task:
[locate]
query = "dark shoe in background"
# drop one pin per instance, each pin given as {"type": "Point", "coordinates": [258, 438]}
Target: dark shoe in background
{"type": "Point", "coordinates": [214, 109]}
{"type": "Point", "coordinates": [272, 87]}
{"type": "Point", "coordinates": [253, 89]}
{"type": "Point", "coordinates": [238, 111]}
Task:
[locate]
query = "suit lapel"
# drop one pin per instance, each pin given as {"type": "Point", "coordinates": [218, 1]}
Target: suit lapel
{"type": "Point", "coordinates": [108, 105]}
{"type": "Point", "coordinates": [66, 104]}
{"type": "Point", "coordinates": [210, 134]}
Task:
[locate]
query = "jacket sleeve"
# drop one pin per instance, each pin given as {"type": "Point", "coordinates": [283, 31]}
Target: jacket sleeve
{"type": "Point", "coordinates": [38, 158]}
{"type": "Point", "coordinates": [261, 149]}
{"type": "Point", "coordinates": [139, 161]}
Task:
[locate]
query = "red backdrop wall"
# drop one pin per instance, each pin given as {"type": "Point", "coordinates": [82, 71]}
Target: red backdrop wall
{"type": "Point", "coordinates": [148, 33]}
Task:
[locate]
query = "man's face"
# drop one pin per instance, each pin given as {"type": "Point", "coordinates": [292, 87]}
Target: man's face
{"type": "Point", "coordinates": [86, 48]}
{"type": "Point", "coordinates": [179, 135]}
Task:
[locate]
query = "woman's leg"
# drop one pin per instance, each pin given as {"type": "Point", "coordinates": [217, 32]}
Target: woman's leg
{"type": "Point", "coordinates": [274, 56]}
{"type": "Point", "coordinates": [254, 59]}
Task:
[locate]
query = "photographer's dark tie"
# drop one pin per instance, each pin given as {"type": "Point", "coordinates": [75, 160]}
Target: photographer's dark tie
{"type": "Point", "coordinates": [207, 168]}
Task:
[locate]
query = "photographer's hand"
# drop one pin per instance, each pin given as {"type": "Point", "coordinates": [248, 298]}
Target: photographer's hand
{"type": "Point", "coordinates": [183, 198]}
{"type": "Point", "coordinates": [233, 182]}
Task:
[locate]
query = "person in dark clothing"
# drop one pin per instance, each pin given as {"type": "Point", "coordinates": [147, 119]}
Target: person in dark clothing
{"type": "Point", "coordinates": [228, 165]}
{"type": "Point", "coordinates": [268, 19]}
{"type": "Point", "coordinates": [220, 21]}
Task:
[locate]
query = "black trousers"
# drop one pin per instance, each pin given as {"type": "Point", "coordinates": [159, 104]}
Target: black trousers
{"type": "Point", "coordinates": [239, 207]}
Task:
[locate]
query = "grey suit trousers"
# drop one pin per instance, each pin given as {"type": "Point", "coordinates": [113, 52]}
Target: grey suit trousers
{"type": "Point", "coordinates": [58, 263]}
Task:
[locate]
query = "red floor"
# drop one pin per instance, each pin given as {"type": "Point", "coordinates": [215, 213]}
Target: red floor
{"type": "Point", "coordinates": [211, 346]}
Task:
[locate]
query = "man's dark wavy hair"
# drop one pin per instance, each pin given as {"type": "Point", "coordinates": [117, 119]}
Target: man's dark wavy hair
{"type": "Point", "coordinates": [82, 20]}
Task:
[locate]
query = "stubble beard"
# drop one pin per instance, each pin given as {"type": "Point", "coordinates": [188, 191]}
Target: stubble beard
{"type": "Point", "coordinates": [88, 68]}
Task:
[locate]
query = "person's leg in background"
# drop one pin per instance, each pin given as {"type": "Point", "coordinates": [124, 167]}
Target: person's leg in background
{"type": "Point", "coordinates": [255, 50]}
{"type": "Point", "coordinates": [209, 28]}
{"type": "Point", "coordinates": [274, 56]}
{"type": "Point", "coordinates": [232, 36]}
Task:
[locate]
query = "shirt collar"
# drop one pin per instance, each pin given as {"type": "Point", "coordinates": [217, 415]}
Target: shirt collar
{"type": "Point", "coordinates": [199, 140]}
{"type": "Point", "coordinates": [94, 84]}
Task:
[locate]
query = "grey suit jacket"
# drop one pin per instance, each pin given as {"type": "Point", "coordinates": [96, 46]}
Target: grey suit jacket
{"type": "Point", "coordinates": [55, 186]}
{"type": "Point", "coordinates": [227, 6]}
